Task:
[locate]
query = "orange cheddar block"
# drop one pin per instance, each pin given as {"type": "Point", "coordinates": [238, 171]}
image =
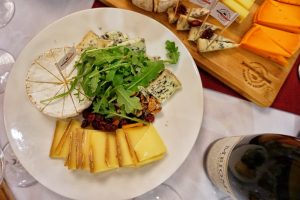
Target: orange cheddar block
{"type": "Point", "coordinates": [274, 57]}
{"type": "Point", "coordinates": [258, 39]}
{"type": "Point", "coordinates": [279, 15]}
{"type": "Point", "coordinates": [290, 42]}
{"type": "Point", "coordinates": [293, 2]}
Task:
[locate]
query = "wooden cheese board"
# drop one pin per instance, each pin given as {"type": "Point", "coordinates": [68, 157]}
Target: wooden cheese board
{"type": "Point", "coordinates": [256, 78]}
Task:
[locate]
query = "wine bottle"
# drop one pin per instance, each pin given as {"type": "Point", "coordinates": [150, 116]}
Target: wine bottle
{"type": "Point", "coordinates": [256, 167]}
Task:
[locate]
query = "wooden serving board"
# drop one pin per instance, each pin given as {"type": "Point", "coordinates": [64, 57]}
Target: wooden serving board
{"type": "Point", "coordinates": [256, 78]}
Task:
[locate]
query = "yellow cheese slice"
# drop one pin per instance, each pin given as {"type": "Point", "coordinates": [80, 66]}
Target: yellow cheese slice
{"type": "Point", "coordinates": [124, 156]}
{"type": "Point", "coordinates": [146, 143]}
{"type": "Point", "coordinates": [86, 151]}
{"type": "Point", "coordinates": [62, 149]}
{"type": "Point", "coordinates": [246, 3]}
{"type": "Point", "coordinates": [60, 129]}
{"type": "Point", "coordinates": [74, 159]}
{"type": "Point", "coordinates": [236, 7]}
{"type": "Point", "coordinates": [98, 145]}
{"type": "Point", "coordinates": [111, 151]}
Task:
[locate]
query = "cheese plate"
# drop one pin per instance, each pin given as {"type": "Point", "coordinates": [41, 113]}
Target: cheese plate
{"type": "Point", "coordinates": [256, 78]}
{"type": "Point", "coordinates": [30, 132]}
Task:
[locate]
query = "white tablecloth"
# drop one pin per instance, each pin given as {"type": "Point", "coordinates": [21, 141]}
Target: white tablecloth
{"type": "Point", "coordinates": [223, 115]}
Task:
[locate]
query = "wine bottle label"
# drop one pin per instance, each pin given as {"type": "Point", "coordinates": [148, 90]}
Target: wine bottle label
{"type": "Point", "coordinates": [217, 162]}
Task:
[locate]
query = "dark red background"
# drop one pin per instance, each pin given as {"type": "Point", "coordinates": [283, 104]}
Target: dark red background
{"type": "Point", "coordinates": [288, 98]}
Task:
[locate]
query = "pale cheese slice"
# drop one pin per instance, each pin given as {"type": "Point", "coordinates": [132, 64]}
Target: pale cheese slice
{"type": "Point", "coordinates": [196, 33]}
{"type": "Point", "coordinates": [221, 43]}
{"type": "Point", "coordinates": [115, 36]}
{"type": "Point", "coordinates": [111, 155]}
{"type": "Point", "coordinates": [86, 151]}
{"type": "Point", "coordinates": [145, 143]}
{"type": "Point", "coordinates": [98, 146]}
{"type": "Point", "coordinates": [124, 156]}
{"type": "Point", "coordinates": [164, 86]}
{"type": "Point", "coordinates": [197, 12]}
{"type": "Point", "coordinates": [60, 129]}
{"type": "Point", "coordinates": [46, 79]}
{"type": "Point", "coordinates": [144, 4]}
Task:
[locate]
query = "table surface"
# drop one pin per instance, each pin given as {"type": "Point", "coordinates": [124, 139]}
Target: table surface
{"type": "Point", "coordinates": [224, 115]}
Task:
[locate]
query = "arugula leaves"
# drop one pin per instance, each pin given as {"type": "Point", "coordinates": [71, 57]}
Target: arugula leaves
{"type": "Point", "coordinates": [173, 53]}
{"type": "Point", "coordinates": [112, 76]}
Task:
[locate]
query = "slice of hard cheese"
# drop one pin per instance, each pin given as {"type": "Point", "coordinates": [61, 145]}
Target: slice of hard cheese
{"type": "Point", "coordinates": [279, 15]}
{"type": "Point", "coordinates": [60, 129]}
{"type": "Point", "coordinates": [74, 159]}
{"type": "Point", "coordinates": [286, 40]}
{"type": "Point", "coordinates": [236, 7]}
{"type": "Point", "coordinates": [293, 2]}
{"type": "Point", "coordinates": [98, 146]}
{"type": "Point", "coordinates": [256, 38]}
{"type": "Point", "coordinates": [145, 143]}
{"type": "Point", "coordinates": [111, 155]}
{"type": "Point", "coordinates": [246, 3]}
{"type": "Point", "coordinates": [86, 151]}
{"type": "Point", "coordinates": [124, 156]}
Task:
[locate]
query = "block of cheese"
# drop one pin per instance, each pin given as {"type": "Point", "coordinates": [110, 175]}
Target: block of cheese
{"type": "Point", "coordinates": [98, 146]}
{"type": "Point", "coordinates": [279, 15]}
{"type": "Point", "coordinates": [62, 148]}
{"type": "Point", "coordinates": [145, 144]}
{"type": "Point", "coordinates": [236, 7]}
{"type": "Point", "coordinates": [293, 2]}
{"type": "Point", "coordinates": [60, 129]}
{"type": "Point", "coordinates": [286, 40]}
{"type": "Point", "coordinates": [258, 39]}
{"type": "Point", "coordinates": [73, 160]}
{"type": "Point", "coordinates": [124, 156]}
{"type": "Point", "coordinates": [246, 3]}
{"type": "Point", "coordinates": [111, 155]}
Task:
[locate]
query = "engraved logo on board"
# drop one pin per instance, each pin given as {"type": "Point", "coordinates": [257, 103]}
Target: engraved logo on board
{"type": "Point", "coordinates": [255, 74]}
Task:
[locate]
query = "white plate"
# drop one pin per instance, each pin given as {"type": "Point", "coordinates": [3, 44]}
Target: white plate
{"type": "Point", "coordinates": [30, 132]}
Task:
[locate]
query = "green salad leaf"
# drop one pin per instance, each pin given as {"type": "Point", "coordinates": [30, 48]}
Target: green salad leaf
{"type": "Point", "coordinates": [173, 53]}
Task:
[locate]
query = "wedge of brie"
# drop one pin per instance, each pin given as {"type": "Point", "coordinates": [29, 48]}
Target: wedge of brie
{"type": "Point", "coordinates": [220, 43]}
{"type": "Point", "coordinates": [48, 78]}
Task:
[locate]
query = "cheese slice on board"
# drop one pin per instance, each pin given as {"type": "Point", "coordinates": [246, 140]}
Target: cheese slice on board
{"type": "Point", "coordinates": [196, 33]}
{"type": "Point", "coordinates": [279, 15]}
{"type": "Point", "coordinates": [221, 43]}
{"type": "Point", "coordinates": [197, 12]}
{"type": "Point", "coordinates": [183, 23]}
{"type": "Point", "coordinates": [145, 5]}
{"type": "Point", "coordinates": [258, 39]}
{"type": "Point", "coordinates": [293, 2]}
{"type": "Point", "coordinates": [236, 7]}
{"type": "Point", "coordinates": [163, 5]}
{"type": "Point", "coordinates": [286, 40]}
{"type": "Point", "coordinates": [60, 129]}
{"type": "Point", "coordinates": [172, 17]}
{"type": "Point", "coordinates": [246, 3]}
{"type": "Point", "coordinates": [281, 60]}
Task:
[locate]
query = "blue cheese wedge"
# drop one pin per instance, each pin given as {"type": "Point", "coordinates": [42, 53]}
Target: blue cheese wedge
{"type": "Point", "coordinates": [115, 36]}
{"type": "Point", "coordinates": [137, 44]}
{"type": "Point", "coordinates": [183, 23]}
{"type": "Point", "coordinates": [195, 32]}
{"type": "Point", "coordinates": [144, 4]}
{"type": "Point", "coordinates": [221, 43]}
{"type": "Point", "coordinates": [163, 5]}
{"type": "Point", "coordinates": [164, 86]}
{"type": "Point", "coordinates": [197, 12]}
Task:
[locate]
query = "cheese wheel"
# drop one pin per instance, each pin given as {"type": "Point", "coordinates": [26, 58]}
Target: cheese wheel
{"type": "Point", "coordinates": [47, 79]}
